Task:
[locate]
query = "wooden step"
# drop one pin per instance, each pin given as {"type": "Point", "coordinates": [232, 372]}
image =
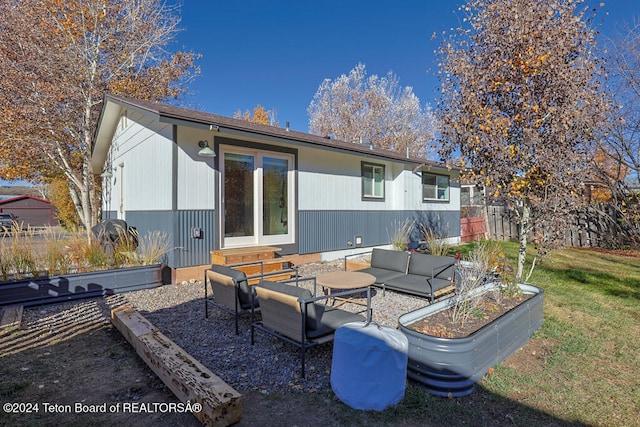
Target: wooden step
{"type": "Point", "coordinates": [268, 266]}
{"type": "Point", "coordinates": [238, 255]}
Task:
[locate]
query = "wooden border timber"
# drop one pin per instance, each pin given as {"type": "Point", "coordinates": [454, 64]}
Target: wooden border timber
{"type": "Point", "coordinates": [187, 378]}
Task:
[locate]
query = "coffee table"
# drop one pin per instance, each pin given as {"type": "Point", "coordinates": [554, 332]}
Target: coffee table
{"type": "Point", "coordinates": [344, 280]}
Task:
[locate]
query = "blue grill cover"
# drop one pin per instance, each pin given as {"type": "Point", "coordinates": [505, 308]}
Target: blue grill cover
{"type": "Point", "coordinates": [369, 365]}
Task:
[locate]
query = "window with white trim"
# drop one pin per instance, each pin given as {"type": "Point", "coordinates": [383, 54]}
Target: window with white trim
{"type": "Point", "coordinates": [435, 187]}
{"type": "Point", "coordinates": [471, 195]}
{"type": "Point", "coordinates": [372, 181]}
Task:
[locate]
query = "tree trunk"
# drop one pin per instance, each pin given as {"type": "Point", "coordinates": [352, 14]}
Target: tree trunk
{"type": "Point", "coordinates": [522, 248]}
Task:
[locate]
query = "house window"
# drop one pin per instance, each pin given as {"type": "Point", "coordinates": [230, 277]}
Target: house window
{"type": "Point", "coordinates": [471, 196]}
{"type": "Point", "coordinates": [372, 181]}
{"type": "Point", "coordinates": [435, 187]}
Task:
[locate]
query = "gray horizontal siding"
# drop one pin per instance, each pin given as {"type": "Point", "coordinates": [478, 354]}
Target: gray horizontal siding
{"type": "Point", "coordinates": [323, 231]}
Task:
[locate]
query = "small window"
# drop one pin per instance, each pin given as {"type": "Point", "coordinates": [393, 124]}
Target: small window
{"type": "Point", "coordinates": [471, 196]}
{"type": "Point", "coordinates": [372, 181]}
{"type": "Point", "coordinates": [465, 196]}
{"type": "Point", "coordinates": [435, 187]}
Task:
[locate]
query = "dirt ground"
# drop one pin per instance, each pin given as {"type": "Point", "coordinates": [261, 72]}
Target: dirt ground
{"type": "Point", "coordinates": [91, 367]}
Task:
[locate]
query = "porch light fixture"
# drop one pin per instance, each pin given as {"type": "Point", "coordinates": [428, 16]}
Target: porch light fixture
{"type": "Point", "coordinates": [205, 150]}
{"type": "Point", "coordinates": [106, 174]}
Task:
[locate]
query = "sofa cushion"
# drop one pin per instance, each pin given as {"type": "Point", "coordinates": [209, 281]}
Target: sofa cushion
{"type": "Point", "coordinates": [423, 265]}
{"type": "Point", "coordinates": [244, 291]}
{"type": "Point", "coordinates": [314, 311]}
{"type": "Point", "coordinates": [332, 319]}
{"type": "Point", "coordinates": [417, 285]}
{"type": "Point", "coordinates": [389, 260]}
{"type": "Point", "coordinates": [410, 283]}
{"type": "Point", "coordinates": [381, 275]}
{"type": "Point", "coordinates": [439, 283]}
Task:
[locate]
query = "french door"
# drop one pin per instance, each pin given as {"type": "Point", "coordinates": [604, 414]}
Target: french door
{"type": "Point", "coordinates": [257, 197]}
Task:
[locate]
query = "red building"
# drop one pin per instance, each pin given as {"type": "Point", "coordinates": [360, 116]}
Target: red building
{"type": "Point", "coordinates": [30, 211]}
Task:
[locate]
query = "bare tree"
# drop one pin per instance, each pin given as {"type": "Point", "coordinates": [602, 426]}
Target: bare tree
{"type": "Point", "coordinates": [618, 171]}
{"type": "Point", "coordinates": [521, 101]}
{"type": "Point", "coordinates": [623, 137]}
{"type": "Point", "coordinates": [57, 58]}
{"type": "Point", "coordinates": [376, 110]}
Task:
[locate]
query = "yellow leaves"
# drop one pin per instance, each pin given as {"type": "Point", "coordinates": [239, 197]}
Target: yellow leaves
{"type": "Point", "coordinates": [528, 61]}
{"type": "Point", "coordinates": [260, 115]}
{"type": "Point", "coordinates": [499, 125]}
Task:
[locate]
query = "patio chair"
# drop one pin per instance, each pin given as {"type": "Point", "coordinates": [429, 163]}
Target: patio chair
{"type": "Point", "coordinates": [294, 315]}
{"type": "Point", "coordinates": [231, 290]}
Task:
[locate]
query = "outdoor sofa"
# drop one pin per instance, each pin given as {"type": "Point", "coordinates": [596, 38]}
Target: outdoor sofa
{"type": "Point", "coordinates": [413, 273]}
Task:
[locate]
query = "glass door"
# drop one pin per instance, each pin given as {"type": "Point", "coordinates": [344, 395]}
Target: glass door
{"type": "Point", "coordinates": [257, 194]}
{"type": "Point", "coordinates": [239, 197]}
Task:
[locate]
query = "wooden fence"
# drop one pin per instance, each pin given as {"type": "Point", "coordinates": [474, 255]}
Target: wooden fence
{"type": "Point", "coordinates": [589, 229]}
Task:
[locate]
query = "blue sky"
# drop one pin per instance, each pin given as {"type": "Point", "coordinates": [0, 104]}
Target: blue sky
{"type": "Point", "coordinates": [277, 53]}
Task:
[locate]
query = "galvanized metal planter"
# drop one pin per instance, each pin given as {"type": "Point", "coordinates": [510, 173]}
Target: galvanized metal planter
{"type": "Point", "coordinates": [452, 366]}
{"type": "Point", "coordinates": [44, 290]}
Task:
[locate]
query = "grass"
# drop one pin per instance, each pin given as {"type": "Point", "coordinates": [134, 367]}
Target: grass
{"type": "Point", "coordinates": [31, 253]}
{"type": "Point", "coordinates": [592, 308]}
{"type": "Point", "coordinates": [587, 367]}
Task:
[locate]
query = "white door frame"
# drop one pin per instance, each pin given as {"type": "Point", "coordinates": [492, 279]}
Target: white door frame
{"type": "Point", "coordinates": [258, 238]}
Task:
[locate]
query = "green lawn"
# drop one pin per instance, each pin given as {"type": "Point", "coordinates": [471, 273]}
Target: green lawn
{"type": "Point", "coordinates": [592, 319]}
{"type": "Point", "coordinates": [581, 368]}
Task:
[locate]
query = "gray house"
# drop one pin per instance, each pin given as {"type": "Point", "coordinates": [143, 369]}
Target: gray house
{"type": "Point", "coordinates": [212, 182]}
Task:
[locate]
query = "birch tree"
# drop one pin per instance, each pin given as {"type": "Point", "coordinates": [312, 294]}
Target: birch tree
{"type": "Point", "coordinates": [521, 102]}
{"type": "Point", "coordinates": [377, 110]}
{"type": "Point", "coordinates": [57, 59]}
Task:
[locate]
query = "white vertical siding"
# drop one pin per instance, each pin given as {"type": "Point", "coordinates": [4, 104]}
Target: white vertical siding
{"type": "Point", "coordinates": [143, 146]}
{"type": "Point", "coordinates": [332, 181]}
{"type": "Point", "coordinates": [195, 174]}
{"type": "Point", "coordinates": [413, 185]}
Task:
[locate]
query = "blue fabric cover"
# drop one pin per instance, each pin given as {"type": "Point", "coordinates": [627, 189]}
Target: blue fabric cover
{"type": "Point", "coordinates": [369, 365]}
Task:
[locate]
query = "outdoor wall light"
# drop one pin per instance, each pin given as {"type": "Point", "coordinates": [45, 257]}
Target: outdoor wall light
{"type": "Point", "coordinates": [205, 150]}
{"type": "Point", "coordinates": [106, 174]}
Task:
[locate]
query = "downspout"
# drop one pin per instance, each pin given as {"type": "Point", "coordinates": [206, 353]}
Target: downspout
{"type": "Point", "coordinates": [175, 253]}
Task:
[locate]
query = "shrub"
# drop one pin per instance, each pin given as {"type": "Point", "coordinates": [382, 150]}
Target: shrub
{"type": "Point", "coordinates": [402, 233]}
{"type": "Point", "coordinates": [471, 275]}
{"type": "Point", "coordinates": [153, 247]}
{"type": "Point", "coordinates": [436, 245]}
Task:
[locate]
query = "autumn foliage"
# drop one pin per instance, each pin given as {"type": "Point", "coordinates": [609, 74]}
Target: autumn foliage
{"type": "Point", "coordinates": [57, 59]}
{"type": "Point", "coordinates": [260, 115]}
{"type": "Point", "coordinates": [522, 102]}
